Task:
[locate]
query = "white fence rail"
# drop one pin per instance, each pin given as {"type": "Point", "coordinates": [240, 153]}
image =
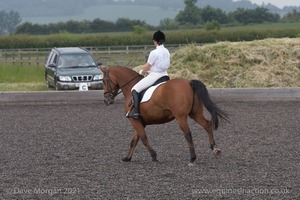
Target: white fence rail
{"type": "Point", "coordinates": [130, 56]}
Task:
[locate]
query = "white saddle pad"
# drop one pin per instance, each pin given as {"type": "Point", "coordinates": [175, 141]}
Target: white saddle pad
{"type": "Point", "coordinates": [149, 93]}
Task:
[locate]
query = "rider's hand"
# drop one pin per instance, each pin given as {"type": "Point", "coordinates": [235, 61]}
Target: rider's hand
{"type": "Point", "coordinates": [142, 72]}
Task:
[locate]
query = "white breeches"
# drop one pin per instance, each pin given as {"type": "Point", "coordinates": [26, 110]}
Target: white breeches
{"type": "Point", "coordinates": [148, 81]}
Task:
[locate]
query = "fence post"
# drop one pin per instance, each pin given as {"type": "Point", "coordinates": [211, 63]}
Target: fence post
{"type": "Point", "coordinates": [145, 54]}
{"type": "Point", "coordinates": [21, 57]}
{"type": "Point", "coordinates": [13, 57]}
{"type": "Point", "coordinates": [29, 60]}
{"type": "Point", "coordinates": [37, 57]}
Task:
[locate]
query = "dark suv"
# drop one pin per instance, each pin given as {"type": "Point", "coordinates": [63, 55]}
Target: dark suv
{"type": "Point", "coordinates": [70, 67]}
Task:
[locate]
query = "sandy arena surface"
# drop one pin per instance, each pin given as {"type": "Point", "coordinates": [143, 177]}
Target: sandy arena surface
{"type": "Point", "coordinates": [75, 152]}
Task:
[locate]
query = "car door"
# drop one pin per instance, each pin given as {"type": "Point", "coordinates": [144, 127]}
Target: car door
{"type": "Point", "coordinates": [47, 68]}
{"type": "Point", "coordinates": [51, 69]}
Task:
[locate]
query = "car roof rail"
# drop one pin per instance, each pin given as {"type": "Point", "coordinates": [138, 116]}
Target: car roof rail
{"type": "Point", "coordinates": [57, 51]}
{"type": "Point", "coordinates": [83, 48]}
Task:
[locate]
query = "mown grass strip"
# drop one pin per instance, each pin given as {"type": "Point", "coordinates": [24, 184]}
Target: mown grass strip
{"type": "Point", "coordinates": [10, 73]}
{"type": "Point", "coordinates": [5, 87]}
{"type": "Point", "coordinates": [21, 78]}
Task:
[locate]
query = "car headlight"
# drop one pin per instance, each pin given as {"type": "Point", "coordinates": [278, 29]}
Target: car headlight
{"type": "Point", "coordinates": [98, 77]}
{"type": "Point", "coordinates": [65, 78]}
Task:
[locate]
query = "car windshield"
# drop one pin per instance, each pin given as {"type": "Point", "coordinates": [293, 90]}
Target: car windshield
{"type": "Point", "coordinates": [76, 61]}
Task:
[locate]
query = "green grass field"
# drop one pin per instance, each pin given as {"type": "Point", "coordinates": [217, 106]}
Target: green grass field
{"type": "Point", "coordinates": [21, 78]}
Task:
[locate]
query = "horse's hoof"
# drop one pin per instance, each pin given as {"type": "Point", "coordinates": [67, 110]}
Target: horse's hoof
{"type": "Point", "coordinates": [191, 164]}
{"type": "Point", "coordinates": [217, 153]}
{"type": "Point", "coordinates": [154, 160]}
{"type": "Point", "coordinates": [126, 159]}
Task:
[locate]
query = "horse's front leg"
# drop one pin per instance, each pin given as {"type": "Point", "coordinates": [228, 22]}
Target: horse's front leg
{"type": "Point", "coordinates": [139, 134]}
{"type": "Point", "coordinates": [132, 147]}
{"type": "Point", "coordinates": [147, 145]}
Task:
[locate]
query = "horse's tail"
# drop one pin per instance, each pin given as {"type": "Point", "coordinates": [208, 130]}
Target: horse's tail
{"type": "Point", "coordinates": [201, 91]}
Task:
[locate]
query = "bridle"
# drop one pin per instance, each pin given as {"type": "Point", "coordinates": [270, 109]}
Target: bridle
{"type": "Point", "coordinates": [110, 94]}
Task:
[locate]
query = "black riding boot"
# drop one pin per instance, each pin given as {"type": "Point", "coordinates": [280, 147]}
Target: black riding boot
{"type": "Point", "coordinates": [135, 112]}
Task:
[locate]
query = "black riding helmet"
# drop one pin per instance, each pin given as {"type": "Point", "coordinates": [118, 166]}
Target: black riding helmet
{"type": "Point", "coordinates": [159, 37]}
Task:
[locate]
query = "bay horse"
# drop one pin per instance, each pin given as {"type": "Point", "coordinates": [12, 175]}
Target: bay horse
{"type": "Point", "coordinates": [175, 99]}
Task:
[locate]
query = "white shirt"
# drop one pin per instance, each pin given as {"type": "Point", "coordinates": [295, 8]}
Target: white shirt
{"type": "Point", "coordinates": [159, 59]}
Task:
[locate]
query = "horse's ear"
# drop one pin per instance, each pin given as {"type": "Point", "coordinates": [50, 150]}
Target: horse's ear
{"type": "Point", "coordinates": [102, 68]}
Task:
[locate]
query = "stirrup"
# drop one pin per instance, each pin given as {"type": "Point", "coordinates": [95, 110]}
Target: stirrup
{"type": "Point", "coordinates": [134, 115]}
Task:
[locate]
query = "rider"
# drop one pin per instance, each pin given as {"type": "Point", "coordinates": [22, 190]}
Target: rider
{"type": "Point", "coordinates": [156, 67]}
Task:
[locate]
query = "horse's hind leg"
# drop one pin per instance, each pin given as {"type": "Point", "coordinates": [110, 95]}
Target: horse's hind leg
{"type": "Point", "coordinates": [132, 146]}
{"type": "Point", "coordinates": [182, 122]}
{"type": "Point", "coordinates": [200, 119]}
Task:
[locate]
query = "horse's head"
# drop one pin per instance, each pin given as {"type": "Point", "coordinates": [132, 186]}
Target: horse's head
{"type": "Point", "coordinates": [111, 86]}
{"type": "Point", "coordinates": [116, 78]}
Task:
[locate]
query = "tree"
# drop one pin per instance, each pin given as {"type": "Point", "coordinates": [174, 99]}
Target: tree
{"type": "Point", "coordinates": [24, 28]}
{"type": "Point", "coordinates": [168, 24]}
{"type": "Point", "coordinates": [9, 21]}
{"type": "Point", "coordinates": [191, 13]}
{"type": "Point", "coordinates": [291, 17]}
{"type": "Point", "coordinates": [126, 24]}
{"type": "Point", "coordinates": [99, 25]}
{"type": "Point", "coordinates": [254, 16]}
{"type": "Point", "coordinates": [209, 13]}
{"type": "Point", "coordinates": [190, 3]}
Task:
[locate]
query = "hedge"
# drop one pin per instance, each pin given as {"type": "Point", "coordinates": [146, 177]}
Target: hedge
{"type": "Point", "coordinates": [124, 39]}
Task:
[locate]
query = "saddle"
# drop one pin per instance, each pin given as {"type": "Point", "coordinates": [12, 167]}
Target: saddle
{"type": "Point", "coordinates": [160, 80]}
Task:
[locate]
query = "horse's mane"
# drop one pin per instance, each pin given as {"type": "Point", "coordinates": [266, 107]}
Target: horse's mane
{"type": "Point", "coordinates": [125, 70]}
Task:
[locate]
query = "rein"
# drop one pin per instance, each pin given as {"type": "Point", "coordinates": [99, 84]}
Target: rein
{"type": "Point", "coordinates": [110, 92]}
